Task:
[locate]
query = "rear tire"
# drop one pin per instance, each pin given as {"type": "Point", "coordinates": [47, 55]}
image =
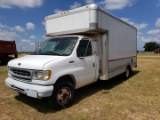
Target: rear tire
{"type": "Point", "coordinates": [127, 72]}
{"type": "Point", "coordinates": [63, 95]}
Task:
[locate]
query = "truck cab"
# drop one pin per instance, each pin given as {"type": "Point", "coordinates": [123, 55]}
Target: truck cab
{"type": "Point", "coordinates": [72, 60]}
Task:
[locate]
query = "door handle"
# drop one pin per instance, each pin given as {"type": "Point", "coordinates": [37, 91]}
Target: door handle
{"type": "Point", "coordinates": [71, 61]}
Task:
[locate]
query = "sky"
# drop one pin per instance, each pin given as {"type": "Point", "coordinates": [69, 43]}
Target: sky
{"type": "Point", "coordinates": [23, 20]}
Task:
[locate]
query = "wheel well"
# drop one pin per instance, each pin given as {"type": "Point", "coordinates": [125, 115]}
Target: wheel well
{"type": "Point", "coordinates": [69, 78]}
{"type": "Point", "coordinates": [129, 67]}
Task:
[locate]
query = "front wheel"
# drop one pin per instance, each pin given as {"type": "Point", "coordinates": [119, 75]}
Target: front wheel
{"type": "Point", "coordinates": [63, 95]}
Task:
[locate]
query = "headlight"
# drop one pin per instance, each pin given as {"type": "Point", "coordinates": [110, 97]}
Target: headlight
{"type": "Point", "coordinates": [42, 75]}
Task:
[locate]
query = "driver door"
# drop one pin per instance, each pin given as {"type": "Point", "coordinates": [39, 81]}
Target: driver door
{"type": "Point", "coordinates": [87, 62]}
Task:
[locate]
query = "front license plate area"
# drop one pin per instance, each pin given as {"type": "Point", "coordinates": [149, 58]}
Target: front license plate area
{"type": "Point", "coordinates": [32, 93]}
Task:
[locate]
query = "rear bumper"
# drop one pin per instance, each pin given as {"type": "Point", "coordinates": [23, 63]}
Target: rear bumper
{"type": "Point", "coordinates": [32, 90]}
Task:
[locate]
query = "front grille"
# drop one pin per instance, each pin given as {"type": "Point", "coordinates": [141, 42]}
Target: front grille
{"type": "Point", "coordinates": [20, 74]}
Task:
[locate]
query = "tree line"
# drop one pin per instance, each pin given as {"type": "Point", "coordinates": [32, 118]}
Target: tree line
{"type": "Point", "coordinates": [151, 46]}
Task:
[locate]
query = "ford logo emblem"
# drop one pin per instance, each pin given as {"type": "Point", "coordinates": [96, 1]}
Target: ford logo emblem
{"type": "Point", "coordinates": [19, 63]}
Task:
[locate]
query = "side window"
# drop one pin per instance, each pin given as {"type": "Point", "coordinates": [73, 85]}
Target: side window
{"type": "Point", "coordinates": [84, 49]}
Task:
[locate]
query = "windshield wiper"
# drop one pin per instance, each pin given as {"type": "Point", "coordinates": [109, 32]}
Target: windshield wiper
{"type": "Point", "coordinates": [50, 53]}
{"type": "Point", "coordinates": [34, 53]}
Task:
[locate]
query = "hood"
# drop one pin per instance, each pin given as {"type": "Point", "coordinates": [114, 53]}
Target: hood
{"type": "Point", "coordinates": [33, 61]}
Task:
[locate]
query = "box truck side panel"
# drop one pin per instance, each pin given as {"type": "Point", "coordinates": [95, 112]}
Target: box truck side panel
{"type": "Point", "coordinates": [122, 37]}
{"type": "Point", "coordinates": [122, 43]}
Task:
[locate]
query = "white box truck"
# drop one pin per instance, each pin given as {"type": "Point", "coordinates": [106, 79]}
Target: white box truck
{"type": "Point", "coordinates": [86, 44]}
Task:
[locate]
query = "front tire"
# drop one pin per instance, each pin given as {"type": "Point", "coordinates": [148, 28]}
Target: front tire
{"type": "Point", "coordinates": [63, 95]}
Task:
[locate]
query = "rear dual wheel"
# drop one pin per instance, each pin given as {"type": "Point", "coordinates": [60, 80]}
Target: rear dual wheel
{"type": "Point", "coordinates": [128, 72]}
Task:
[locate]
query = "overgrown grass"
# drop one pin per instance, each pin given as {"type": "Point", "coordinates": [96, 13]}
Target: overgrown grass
{"type": "Point", "coordinates": [137, 98]}
{"type": "Point", "coordinates": [147, 54]}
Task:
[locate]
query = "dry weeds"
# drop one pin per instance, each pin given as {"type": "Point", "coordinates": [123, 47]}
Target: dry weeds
{"type": "Point", "coordinates": [137, 98]}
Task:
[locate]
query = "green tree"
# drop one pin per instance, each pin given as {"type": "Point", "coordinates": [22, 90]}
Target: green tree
{"type": "Point", "coordinates": [151, 46]}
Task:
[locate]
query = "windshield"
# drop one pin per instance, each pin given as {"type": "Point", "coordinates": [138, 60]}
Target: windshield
{"type": "Point", "coordinates": [57, 46]}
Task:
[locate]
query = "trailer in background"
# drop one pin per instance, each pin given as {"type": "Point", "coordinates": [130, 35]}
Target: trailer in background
{"type": "Point", "coordinates": [7, 48]}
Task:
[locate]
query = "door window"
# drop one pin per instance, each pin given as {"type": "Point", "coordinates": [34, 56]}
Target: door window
{"type": "Point", "coordinates": [84, 49]}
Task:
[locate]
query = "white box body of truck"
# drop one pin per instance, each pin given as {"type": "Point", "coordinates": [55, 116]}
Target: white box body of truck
{"type": "Point", "coordinates": [86, 44]}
